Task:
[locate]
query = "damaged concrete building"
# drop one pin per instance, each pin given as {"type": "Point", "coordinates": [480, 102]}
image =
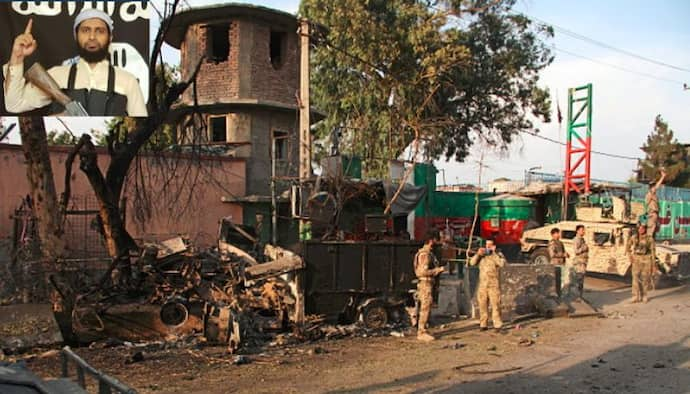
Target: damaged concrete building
{"type": "Point", "coordinates": [245, 96]}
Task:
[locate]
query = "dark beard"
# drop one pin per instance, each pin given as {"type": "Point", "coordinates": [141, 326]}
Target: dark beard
{"type": "Point", "coordinates": [94, 57]}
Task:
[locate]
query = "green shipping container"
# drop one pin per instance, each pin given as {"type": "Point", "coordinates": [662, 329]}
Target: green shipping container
{"type": "Point", "coordinates": [507, 207]}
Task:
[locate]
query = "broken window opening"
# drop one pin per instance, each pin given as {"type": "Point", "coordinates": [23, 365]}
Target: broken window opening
{"type": "Point", "coordinates": [277, 48]}
{"type": "Point", "coordinates": [280, 145]}
{"type": "Point", "coordinates": [218, 126]}
{"type": "Point", "coordinates": [217, 43]}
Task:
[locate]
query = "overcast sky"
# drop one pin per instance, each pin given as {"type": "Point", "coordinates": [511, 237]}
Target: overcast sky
{"type": "Point", "coordinates": [625, 104]}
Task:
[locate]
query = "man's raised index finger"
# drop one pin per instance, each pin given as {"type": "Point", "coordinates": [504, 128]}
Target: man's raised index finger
{"type": "Point", "coordinates": [29, 24]}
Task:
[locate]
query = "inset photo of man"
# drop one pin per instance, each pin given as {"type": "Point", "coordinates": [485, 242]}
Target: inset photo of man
{"type": "Point", "coordinates": [74, 58]}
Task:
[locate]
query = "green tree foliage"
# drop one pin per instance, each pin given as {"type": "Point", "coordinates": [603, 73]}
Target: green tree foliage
{"type": "Point", "coordinates": [56, 137]}
{"type": "Point", "coordinates": [64, 137]}
{"type": "Point", "coordinates": [662, 149]}
{"type": "Point", "coordinates": [163, 138]}
{"type": "Point", "coordinates": [448, 72]}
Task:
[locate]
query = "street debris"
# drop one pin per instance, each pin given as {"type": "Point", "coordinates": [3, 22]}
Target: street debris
{"type": "Point", "coordinates": [24, 326]}
{"type": "Point", "coordinates": [455, 346]}
{"type": "Point", "coordinates": [241, 360]}
{"type": "Point", "coordinates": [136, 357]}
{"type": "Point", "coordinates": [462, 368]}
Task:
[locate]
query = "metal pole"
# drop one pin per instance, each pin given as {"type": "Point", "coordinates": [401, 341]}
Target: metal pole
{"type": "Point", "coordinates": [588, 152]}
{"type": "Point", "coordinates": [304, 121]}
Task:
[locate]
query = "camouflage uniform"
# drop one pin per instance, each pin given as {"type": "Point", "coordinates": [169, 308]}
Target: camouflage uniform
{"type": "Point", "coordinates": [652, 202]}
{"type": "Point", "coordinates": [489, 289]}
{"type": "Point", "coordinates": [642, 251]}
{"type": "Point", "coordinates": [557, 252]}
{"type": "Point", "coordinates": [424, 263]}
{"type": "Point", "coordinates": [577, 268]}
{"type": "Point", "coordinates": [557, 255]}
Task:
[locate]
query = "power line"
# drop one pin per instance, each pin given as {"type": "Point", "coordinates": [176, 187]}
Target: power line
{"type": "Point", "coordinates": [607, 46]}
{"type": "Point", "coordinates": [613, 155]}
{"type": "Point", "coordinates": [673, 81]}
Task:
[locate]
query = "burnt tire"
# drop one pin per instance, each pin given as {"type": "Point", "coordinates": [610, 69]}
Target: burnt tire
{"type": "Point", "coordinates": [374, 315]}
{"type": "Point", "coordinates": [540, 256]}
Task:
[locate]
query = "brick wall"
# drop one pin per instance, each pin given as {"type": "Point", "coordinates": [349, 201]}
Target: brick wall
{"type": "Point", "coordinates": [215, 178]}
{"type": "Point", "coordinates": [269, 83]}
{"type": "Point", "coordinates": [248, 72]}
{"type": "Point", "coordinates": [217, 82]}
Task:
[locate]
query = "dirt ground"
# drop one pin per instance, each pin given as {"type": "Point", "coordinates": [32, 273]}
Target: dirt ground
{"type": "Point", "coordinates": [635, 348]}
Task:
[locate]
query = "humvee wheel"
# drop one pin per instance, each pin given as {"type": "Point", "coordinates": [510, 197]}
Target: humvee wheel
{"type": "Point", "coordinates": [540, 256]}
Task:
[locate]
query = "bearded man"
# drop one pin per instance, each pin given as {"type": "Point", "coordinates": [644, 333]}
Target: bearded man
{"type": "Point", "coordinates": [101, 88]}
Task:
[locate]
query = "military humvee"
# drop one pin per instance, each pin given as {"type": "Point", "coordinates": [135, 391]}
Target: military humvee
{"type": "Point", "coordinates": [608, 232]}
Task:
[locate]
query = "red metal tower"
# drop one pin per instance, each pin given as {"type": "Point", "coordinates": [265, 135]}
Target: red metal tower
{"type": "Point", "coordinates": [578, 152]}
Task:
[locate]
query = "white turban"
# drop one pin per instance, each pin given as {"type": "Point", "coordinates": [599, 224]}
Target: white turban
{"type": "Point", "coordinates": [89, 13]}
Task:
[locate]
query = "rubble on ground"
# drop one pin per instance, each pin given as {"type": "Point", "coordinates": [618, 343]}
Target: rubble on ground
{"type": "Point", "coordinates": [222, 294]}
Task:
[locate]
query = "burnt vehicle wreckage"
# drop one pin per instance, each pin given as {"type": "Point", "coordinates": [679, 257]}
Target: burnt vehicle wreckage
{"type": "Point", "coordinates": [224, 294]}
{"type": "Point", "coordinates": [236, 294]}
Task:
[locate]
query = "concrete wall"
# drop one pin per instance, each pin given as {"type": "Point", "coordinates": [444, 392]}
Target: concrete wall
{"type": "Point", "coordinates": [263, 124]}
{"type": "Point", "coordinates": [519, 284]}
{"type": "Point", "coordinates": [215, 177]}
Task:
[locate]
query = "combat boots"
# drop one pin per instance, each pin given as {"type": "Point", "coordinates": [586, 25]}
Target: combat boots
{"type": "Point", "coordinates": [425, 337]}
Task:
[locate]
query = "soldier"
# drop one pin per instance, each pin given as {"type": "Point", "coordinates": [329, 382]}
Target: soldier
{"type": "Point", "coordinates": [489, 260]}
{"type": "Point", "coordinates": [642, 252]}
{"type": "Point", "coordinates": [557, 253]}
{"type": "Point", "coordinates": [425, 269]}
{"type": "Point", "coordinates": [652, 202]}
{"type": "Point", "coordinates": [578, 267]}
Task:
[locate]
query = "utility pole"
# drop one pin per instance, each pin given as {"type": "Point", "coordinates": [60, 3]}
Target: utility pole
{"type": "Point", "coordinates": [466, 273]}
{"type": "Point", "coordinates": [274, 199]}
{"type": "Point", "coordinates": [304, 160]}
{"type": "Point", "coordinates": [304, 126]}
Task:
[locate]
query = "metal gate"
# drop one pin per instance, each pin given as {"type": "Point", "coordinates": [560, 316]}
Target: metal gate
{"type": "Point", "coordinates": [81, 234]}
{"type": "Point", "coordinates": [82, 237]}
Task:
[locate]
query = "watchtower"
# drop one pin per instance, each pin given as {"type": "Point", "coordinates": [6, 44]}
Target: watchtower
{"type": "Point", "coordinates": [247, 86]}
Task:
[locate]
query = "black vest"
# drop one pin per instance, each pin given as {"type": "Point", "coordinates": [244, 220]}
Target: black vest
{"type": "Point", "coordinates": [95, 102]}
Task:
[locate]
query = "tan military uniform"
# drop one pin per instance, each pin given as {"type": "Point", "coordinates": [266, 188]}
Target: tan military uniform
{"type": "Point", "coordinates": [557, 252]}
{"type": "Point", "coordinates": [652, 202]}
{"type": "Point", "coordinates": [489, 289]}
{"type": "Point", "coordinates": [424, 269]}
{"type": "Point", "coordinates": [557, 256]}
{"type": "Point", "coordinates": [577, 268]}
{"type": "Point", "coordinates": [642, 251]}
